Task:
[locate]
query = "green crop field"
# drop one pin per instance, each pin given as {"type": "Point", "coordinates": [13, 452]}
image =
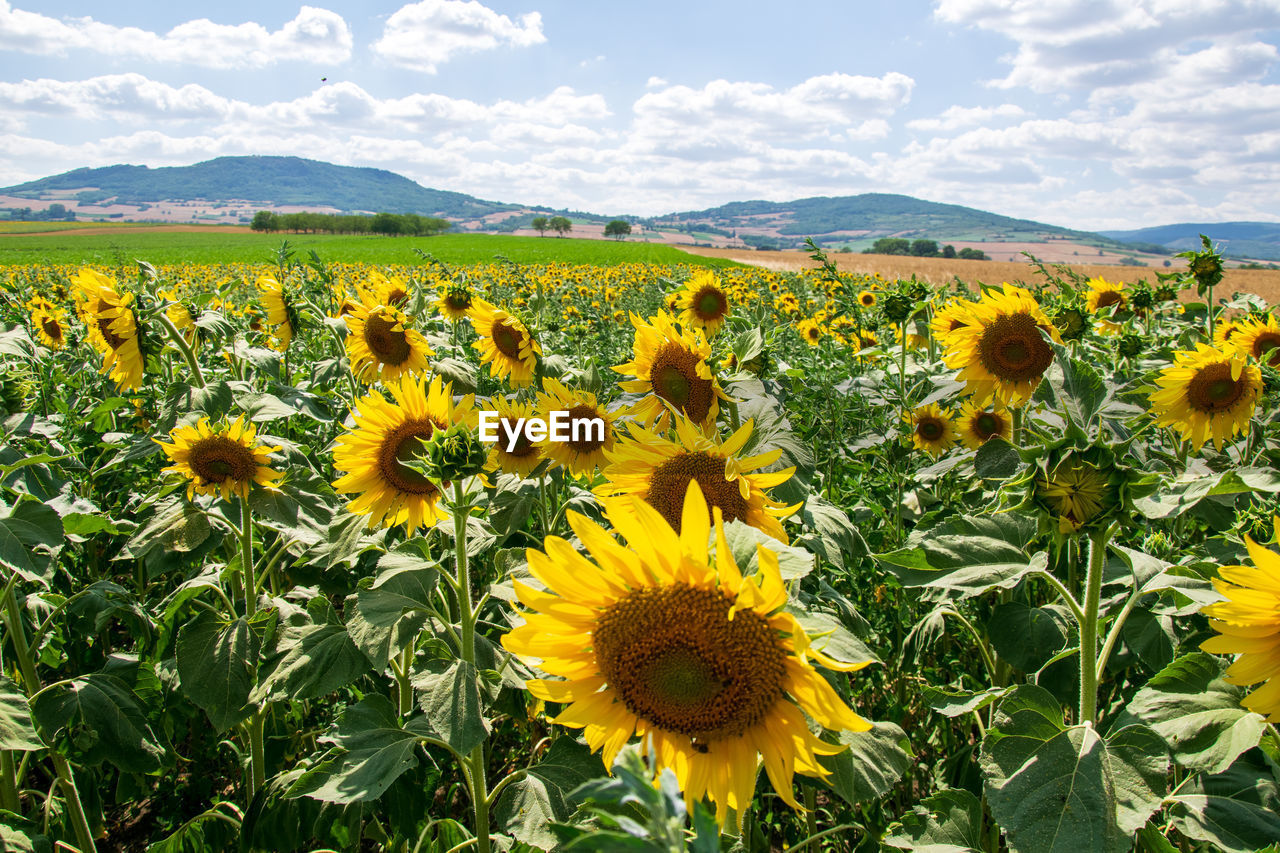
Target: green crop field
{"type": "Point", "coordinates": [217, 245]}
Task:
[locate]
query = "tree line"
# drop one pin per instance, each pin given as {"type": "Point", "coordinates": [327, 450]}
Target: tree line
{"type": "Point", "coordinates": [922, 249]}
{"type": "Point", "coordinates": [338, 223]}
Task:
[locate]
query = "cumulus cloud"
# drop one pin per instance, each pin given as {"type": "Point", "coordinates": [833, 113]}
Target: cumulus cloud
{"type": "Point", "coordinates": [954, 118]}
{"type": "Point", "coordinates": [314, 35]}
{"type": "Point", "coordinates": [426, 34]}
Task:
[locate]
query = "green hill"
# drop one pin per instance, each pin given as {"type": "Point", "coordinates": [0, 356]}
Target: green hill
{"type": "Point", "coordinates": [1259, 240]}
{"type": "Point", "coordinates": [266, 180]}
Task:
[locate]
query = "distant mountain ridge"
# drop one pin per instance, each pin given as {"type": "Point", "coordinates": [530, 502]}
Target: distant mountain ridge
{"type": "Point", "coordinates": [1259, 240]}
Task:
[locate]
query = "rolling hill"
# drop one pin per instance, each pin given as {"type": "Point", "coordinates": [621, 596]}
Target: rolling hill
{"type": "Point", "coordinates": [1260, 240]}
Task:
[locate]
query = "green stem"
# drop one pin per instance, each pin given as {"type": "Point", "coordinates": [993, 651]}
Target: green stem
{"type": "Point", "coordinates": [8, 782]}
{"type": "Point", "coordinates": [401, 670]}
{"type": "Point", "coordinates": [257, 752]}
{"type": "Point", "coordinates": [31, 684]}
{"type": "Point", "coordinates": [1113, 634]}
{"type": "Point", "coordinates": [257, 757]}
{"type": "Point", "coordinates": [1065, 595]}
{"type": "Point", "coordinates": [1209, 289]}
{"type": "Point", "coordinates": [183, 347]}
{"type": "Point", "coordinates": [475, 763]}
{"type": "Point", "coordinates": [1089, 627]}
{"type": "Point", "coordinates": [810, 812]}
{"type": "Point", "coordinates": [983, 646]}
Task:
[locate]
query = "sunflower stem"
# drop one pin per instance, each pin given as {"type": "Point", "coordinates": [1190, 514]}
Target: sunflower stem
{"type": "Point", "coordinates": [183, 347]}
{"type": "Point", "coordinates": [8, 782]}
{"type": "Point", "coordinates": [31, 686]}
{"type": "Point", "coordinates": [257, 759]}
{"type": "Point", "coordinates": [810, 813]}
{"type": "Point", "coordinates": [1098, 540]}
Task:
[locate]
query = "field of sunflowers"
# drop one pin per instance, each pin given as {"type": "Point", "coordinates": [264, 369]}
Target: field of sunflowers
{"type": "Point", "coordinates": [857, 564]}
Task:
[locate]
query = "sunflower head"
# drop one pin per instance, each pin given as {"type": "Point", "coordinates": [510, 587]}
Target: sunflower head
{"type": "Point", "coordinates": [382, 343]}
{"type": "Point", "coordinates": [1077, 494]}
{"type": "Point", "coordinates": [505, 344]}
{"type": "Point", "coordinates": [703, 304]}
{"type": "Point", "coordinates": [516, 451]}
{"type": "Point", "coordinates": [1259, 338]}
{"type": "Point", "coordinates": [282, 313]}
{"type": "Point", "coordinates": [810, 332]}
{"type": "Point", "coordinates": [1071, 322]}
{"type": "Point", "coordinates": [867, 298]}
{"type": "Point", "coordinates": [979, 424]}
{"type": "Point", "coordinates": [666, 639]}
{"type": "Point", "coordinates": [670, 366]}
{"type": "Point", "coordinates": [932, 429]}
{"type": "Point", "coordinates": [1248, 625]}
{"type": "Point", "coordinates": [1105, 296]}
{"type": "Point", "coordinates": [1207, 393]}
{"type": "Point", "coordinates": [221, 460]}
{"type": "Point", "coordinates": [1005, 350]}
{"type": "Point", "coordinates": [587, 447]}
{"type": "Point", "coordinates": [455, 301]}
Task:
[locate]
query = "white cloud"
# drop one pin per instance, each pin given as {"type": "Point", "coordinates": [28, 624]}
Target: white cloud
{"type": "Point", "coordinates": [426, 34]}
{"type": "Point", "coordinates": [314, 35]}
{"type": "Point", "coordinates": [655, 82]}
{"type": "Point", "coordinates": [954, 118]}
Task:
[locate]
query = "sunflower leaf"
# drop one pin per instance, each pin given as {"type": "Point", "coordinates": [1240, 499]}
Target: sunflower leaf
{"type": "Point", "coordinates": [450, 694]}
{"type": "Point", "coordinates": [217, 661]}
{"type": "Point", "coordinates": [1237, 810]}
{"type": "Point", "coordinates": [873, 763]}
{"type": "Point", "coordinates": [950, 821]}
{"type": "Point", "coordinates": [17, 732]}
{"type": "Point", "coordinates": [97, 718]}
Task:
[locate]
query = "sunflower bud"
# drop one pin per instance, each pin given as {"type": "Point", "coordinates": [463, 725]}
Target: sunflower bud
{"type": "Point", "coordinates": [1166, 293]}
{"type": "Point", "coordinates": [1071, 322]}
{"type": "Point", "coordinates": [1131, 345]}
{"type": "Point", "coordinates": [453, 454]}
{"type": "Point", "coordinates": [15, 390]}
{"type": "Point", "coordinates": [897, 305]}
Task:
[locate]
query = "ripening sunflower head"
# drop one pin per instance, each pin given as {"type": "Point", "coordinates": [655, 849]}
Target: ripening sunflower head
{"type": "Point", "coordinates": [1248, 624]}
{"type": "Point", "coordinates": [1259, 338]}
{"type": "Point", "coordinates": [381, 290]}
{"type": "Point", "coordinates": [1103, 295]}
{"type": "Point", "coordinates": [585, 450]}
{"type": "Point", "coordinates": [49, 322]}
{"type": "Point", "coordinates": [1076, 492]}
{"type": "Point", "coordinates": [180, 316]}
{"type": "Point", "coordinates": [703, 304]}
{"type": "Point", "coordinates": [951, 316]}
{"type": "Point", "coordinates": [280, 311]}
{"type": "Point", "coordinates": [659, 470]}
{"type": "Point", "coordinates": [1207, 393]}
{"type": "Point", "coordinates": [522, 456]}
{"type": "Point", "coordinates": [382, 343]}
{"type": "Point", "coordinates": [226, 461]}
{"type": "Point", "coordinates": [867, 299]}
{"type": "Point", "coordinates": [112, 326]}
{"type": "Point", "coordinates": [977, 424]}
{"type": "Point", "coordinates": [671, 367]}
{"type": "Point", "coordinates": [932, 429]}
{"type": "Point", "coordinates": [663, 639]}
{"type": "Point", "coordinates": [385, 435]}
{"type": "Point", "coordinates": [455, 301]}
{"type": "Point", "coordinates": [1002, 352]}
{"type": "Point", "coordinates": [810, 332]}
{"type": "Point", "coordinates": [505, 344]}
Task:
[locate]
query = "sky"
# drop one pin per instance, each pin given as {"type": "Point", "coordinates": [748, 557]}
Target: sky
{"type": "Point", "coordinates": [1089, 114]}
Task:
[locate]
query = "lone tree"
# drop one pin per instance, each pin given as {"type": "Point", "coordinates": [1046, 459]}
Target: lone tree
{"type": "Point", "coordinates": [617, 229]}
{"type": "Point", "coordinates": [540, 224]}
{"type": "Point", "coordinates": [561, 225]}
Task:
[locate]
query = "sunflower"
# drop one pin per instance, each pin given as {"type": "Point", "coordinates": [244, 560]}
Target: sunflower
{"type": "Point", "coordinates": [932, 429]}
{"type": "Point", "coordinates": [382, 343]}
{"type": "Point", "coordinates": [455, 301]}
{"type": "Point", "coordinates": [584, 453]}
{"type": "Point", "coordinates": [947, 319]}
{"type": "Point", "coordinates": [384, 436]}
{"type": "Point", "coordinates": [1207, 393]}
{"type": "Point", "coordinates": [1248, 624]}
{"type": "Point", "coordinates": [1225, 330]}
{"type": "Point", "coordinates": [661, 639]}
{"type": "Point", "coordinates": [113, 328]}
{"type": "Point", "coordinates": [280, 311]}
{"type": "Point", "coordinates": [525, 455]}
{"type": "Point", "coordinates": [703, 303]}
{"type": "Point", "coordinates": [49, 322]}
{"type": "Point", "coordinates": [225, 461]}
{"type": "Point", "coordinates": [1075, 492]}
{"type": "Point", "coordinates": [180, 316]}
{"type": "Point", "coordinates": [671, 368]}
{"type": "Point", "coordinates": [978, 424]}
{"type": "Point", "coordinates": [867, 299]}
{"type": "Point", "coordinates": [1103, 295]}
{"type": "Point", "coordinates": [381, 290]}
{"type": "Point", "coordinates": [1002, 352]}
{"type": "Point", "coordinates": [810, 332]}
{"type": "Point", "coordinates": [505, 344]}
{"type": "Point", "coordinates": [659, 471]}
{"type": "Point", "coordinates": [1259, 337]}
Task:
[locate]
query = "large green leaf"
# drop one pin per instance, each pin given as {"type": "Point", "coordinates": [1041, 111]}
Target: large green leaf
{"type": "Point", "coordinates": [1058, 788]}
{"type": "Point", "coordinates": [948, 822]}
{"type": "Point", "coordinates": [873, 763]}
{"type": "Point", "coordinates": [311, 660]}
{"type": "Point", "coordinates": [98, 717]}
{"type": "Point", "coordinates": [29, 532]}
{"type": "Point", "coordinates": [831, 637]}
{"type": "Point", "coordinates": [176, 525]}
{"type": "Point", "coordinates": [1197, 713]}
{"type": "Point", "coordinates": [392, 608]}
{"type": "Point", "coordinates": [1026, 637]}
{"type": "Point", "coordinates": [829, 533]}
{"type": "Point", "coordinates": [1237, 810]}
{"type": "Point", "coordinates": [966, 563]}
{"type": "Point", "coordinates": [451, 697]}
{"type": "Point", "coordinates": [371, 750]}
{"type": "Point", "coordinates": [217, 661]}
{"type": "Point", "coordinates": [743, 541]}
{"type": "Point", "coordinates": [528, 805]}
{"type": "Point", "coordinates": [17, 732]}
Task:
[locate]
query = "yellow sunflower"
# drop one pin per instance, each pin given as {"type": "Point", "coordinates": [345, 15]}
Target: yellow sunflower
{"type": "Point", "coordinates": [586, 451]}
{"type": "Point", "coordinates": [978, 424]}
{"type": "Point", "coordinates": [1224, 331]}
{"type": "Point", "coordinates": [671, 368]}
{"type": "Point", "coordinates": [180, 316]}
{"type": "Point", "coordinates": [225, 461]}
{"type": "Point", "coordinates": [809, 331]}
{"type": "Point", "coordinates": [526, 454]}
{"type": "Point", "coordinates": [867, 299]}
{"type": "Point", "coordinates": [947, 319]}
{"type": "Point", "coordinates": [280, 312]}
{"type": "Point", "coordinates": [454, 301]}
{"type": "Point", "coordinates": [381, 290]}
{"type": "Point", "coordinates": [382, 343]}
{"type": "Point", "coordinates": [383, 437]}
{"type": "Point", "coordinates": [1248, 624]}
{"type": "Point", "coordinates": [1075, 492]}
{"type": "Point", "coordinates": [662, 639]}
{"type": "Point", "coordinates": [659, 470]}
{"type": "Point", "coordinates": [1207, 393]}
{"type": "Point", "coordinates": [505, 344]}
{"type": "Point", "coordinates": [932, 429]}
{"type": "Point", "coordinates": [1001, 352]}
{"type": "Point", "coordinates": [49, 322]}
{"type": "Point", "coordinates": [1259, 337]}
{"type": "Point", "coordinates": [703, 303]}
{"type": "Point", "coordinates": [1104, 294]}
{"type": "Point", "coordinates": [113, 329]}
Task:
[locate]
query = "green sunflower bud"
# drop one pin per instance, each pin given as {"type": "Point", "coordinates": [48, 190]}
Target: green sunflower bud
{"type": "Point", "coordinates": [1131, 345]}
{"type": "Point", "coordinates": [453, 454]}
{"type": "Point", "coordinates": [897, 306]}
{"type": "Point", "coordinates": [1071, 322]}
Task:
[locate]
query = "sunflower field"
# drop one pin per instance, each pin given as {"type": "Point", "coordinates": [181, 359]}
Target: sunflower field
{"type": "Point", "coordinates": [852, 564]}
